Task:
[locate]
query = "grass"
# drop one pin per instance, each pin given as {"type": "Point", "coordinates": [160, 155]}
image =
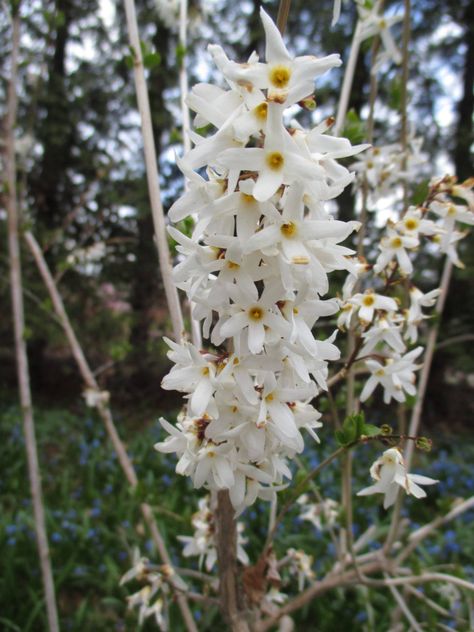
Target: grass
{"type": "Point", "coordinates": [93, 522]}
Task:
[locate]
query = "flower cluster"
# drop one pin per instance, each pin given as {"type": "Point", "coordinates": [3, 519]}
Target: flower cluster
{"type": "Point", "coordinates": [385, 325]}
{"type": "Point", "coordinates": [321, 514]}
{"type": "Point", "coordinates": [256, 268]}
{"type": "Point", "coordinates": [151, 600]}
{"type": "Point", "coordinates": [382, 167]}
{"type": "Point", "coordinates": [203, 542]}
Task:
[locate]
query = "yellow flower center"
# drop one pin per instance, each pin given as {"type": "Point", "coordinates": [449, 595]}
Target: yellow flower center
{"type": "Point", "coordinates": [205, 370]}
{"type": "Point", "coordinates": [396, 242]}
{"type": "Point", "coordinates": [280, 76]}
{"type": "Point", "coordinates": [452, 210]}
{"type": "Point", "coordinates": [232, 265]}
{"type": "Point", "coordinates": [269, 397]}
{"type": "Point", "coordinates": [370, 164]}
{"type": "Point", "coordinates": [380, 372]}
{"type": "Point", "coordinates": [411, 223]}
{"type": "Point", "coordinates": [261, 111]}
{"type": "Point", "coordinates": [288, 230]}
{"type": "Point", "coordinates": [368, 300]}
{"type": "Point", "coordinates": [248, 199]}
{"type": "Point", "coordinates": [275, 160]}
{"type": "Point", "coordinates": [255, 313]}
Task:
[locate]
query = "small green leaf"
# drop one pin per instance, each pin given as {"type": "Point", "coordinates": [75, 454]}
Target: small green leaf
{"type": "Point", "coordinates": [354, 128]}
{"type": "Point", "coordinates": [151, 60]}
{"type": "Point", "coordinates": [180, 54]}
{"type": "Point", "coordinates": [370, 430]}
{"type": "Point", "coordinates": [129, 61]}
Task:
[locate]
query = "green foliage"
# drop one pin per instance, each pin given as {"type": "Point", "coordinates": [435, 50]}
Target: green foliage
{"type": "Point", "coordinates": [355, 429]}
{"type": "Point", "coordinates": [354, 128]}
{"type": "Point", "coordinates": [94, 522]}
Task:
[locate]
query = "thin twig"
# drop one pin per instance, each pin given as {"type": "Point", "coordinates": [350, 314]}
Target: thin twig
{"type": "Point", "coordinates": [428, 360]}
{"type": "Point", "coordinates": [152, 173]}
{"type": "Point", "coordinates": [347, 81]}
{"type": "Point", "coordinates": [405, 609]}
{"type": "Point", "coordinates": [20, 339]}
{"type": "Point", "coordinates": [423, 532]}
{"type": "Point", "coordinates": [297, 491]}
{"type": "Point", "coordinates": [454, 341]}
{"type": "Point", "coordinates": [196, 334]}
{"type": "Point", "coordinates": [429, 602]}
{"type": "Point", "coordinates": [283, 13]}
{"type": "Point", "coordinates": [404, 96]}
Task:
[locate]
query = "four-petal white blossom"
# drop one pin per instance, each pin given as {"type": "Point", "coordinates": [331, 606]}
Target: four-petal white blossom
{"type": "Point", "coordinates": [390, 474]}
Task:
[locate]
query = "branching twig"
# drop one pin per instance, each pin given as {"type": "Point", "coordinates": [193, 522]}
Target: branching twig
{"type": "Point", "coordinates": [104, 412]}
{"type": "Point", "coordinates": [423, 532]}
{"type": "Point", "coordinates": [404, 608]}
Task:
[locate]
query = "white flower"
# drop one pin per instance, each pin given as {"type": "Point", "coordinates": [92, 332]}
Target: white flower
{"type": "Point", "coordinates": [300, 565]}
{"type": "Point", "coordinates": [95, 398]}
{"type": "Point", "coordinates": [278, 162]}
{"type": "Point", "coordinates": [390, 473]}
{"type": "Point", "coordinates": [286, 80]}
{"type": "Point", "coordinates": [414, 314]}
{"type": "Point", "coordinates": [394, 245]}
{"type": "Point", "coordinates": [372, 23]}
{"type": "Point", "coordinates": [414, 223]}
{"type": "Point", "coordinates": [384, 330]}
{"type": "Point", "coordinates": [369, 302]}
{"type": "Point", "coordinates": [396, 375]}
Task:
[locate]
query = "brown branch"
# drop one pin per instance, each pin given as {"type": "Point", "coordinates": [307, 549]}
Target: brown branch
{"type": "Point", "coordinates": [226, 541]}
{"type": "Point", "coordinates": [16, 286]}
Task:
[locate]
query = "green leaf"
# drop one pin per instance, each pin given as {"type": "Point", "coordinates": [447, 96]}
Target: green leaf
{"type": "Point", "coordinates": [395, 94]}
{"type": "Point", "coordinates": [354, 128]}
{"type": "Point", "coordinates": [151, 60]}
{"type": "Point", "coordinates": [353, 428]}
{"type": "Point", "coordinates": [369, 430]}
{"type": "Point", "coordinates": [129, 61]}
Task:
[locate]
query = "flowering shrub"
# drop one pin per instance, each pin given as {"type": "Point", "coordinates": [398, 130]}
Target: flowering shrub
{"type": "Point", "coordinates": [256, 269]}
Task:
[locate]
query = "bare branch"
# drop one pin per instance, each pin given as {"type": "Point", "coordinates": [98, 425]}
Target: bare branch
{"type": "Point", "coordinates": [153, 174]}
{"type": "Point", "coordinates": [16, 286]}
{"type": "Point", "coordinates": [428, 360]}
